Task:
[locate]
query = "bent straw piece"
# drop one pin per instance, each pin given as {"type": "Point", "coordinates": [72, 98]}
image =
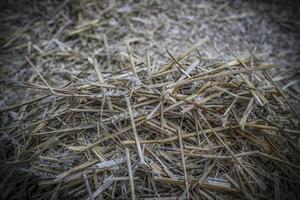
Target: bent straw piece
{"type": "Point", "coordinates": [246, 113]}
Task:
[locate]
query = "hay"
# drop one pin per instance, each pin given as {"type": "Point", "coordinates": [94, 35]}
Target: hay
{"type": "Point", "coordinates": [182, 123]}
{"type": "Point", "coordinates": [187, 130]}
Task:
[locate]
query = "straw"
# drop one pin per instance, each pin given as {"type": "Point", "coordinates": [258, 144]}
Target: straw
{"type": "Point", "coordinates": [116, 100]}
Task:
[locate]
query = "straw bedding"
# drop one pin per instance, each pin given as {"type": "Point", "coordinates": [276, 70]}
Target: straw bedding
{"type": "Point", "coordinates": [146, 101]}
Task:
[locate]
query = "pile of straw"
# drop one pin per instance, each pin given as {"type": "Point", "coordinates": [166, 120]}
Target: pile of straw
{"type": "Point", "coordinates": [149, 100]}
{"type": "Point", "coordinates": [193, 127]}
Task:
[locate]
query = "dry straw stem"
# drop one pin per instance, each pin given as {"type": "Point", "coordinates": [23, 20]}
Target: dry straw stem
{"type": "Point", "coordinates": [130, 174]}
{"type": "Point", "coordinates": [204, 129]}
